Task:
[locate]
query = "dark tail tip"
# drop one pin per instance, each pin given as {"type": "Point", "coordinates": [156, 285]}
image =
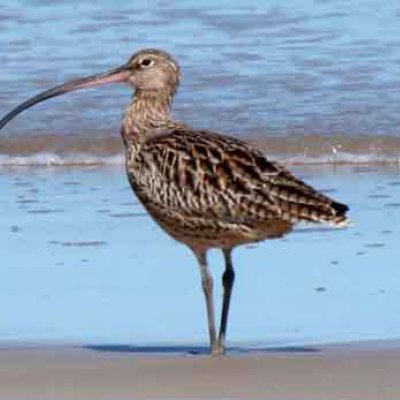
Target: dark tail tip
{"type": "Point", "coordinates": [341, 209]}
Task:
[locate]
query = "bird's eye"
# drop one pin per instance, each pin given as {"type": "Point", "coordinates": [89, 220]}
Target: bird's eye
{"type": "Point", "coordinates": [146, 62]}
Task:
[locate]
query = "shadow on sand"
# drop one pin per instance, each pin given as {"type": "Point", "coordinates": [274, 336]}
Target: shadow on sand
{"type": "Point", "coordinates": [197, 350]}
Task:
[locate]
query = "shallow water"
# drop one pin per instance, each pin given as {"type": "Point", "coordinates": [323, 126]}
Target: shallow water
{"type": "Point", "coordinates": [82, 262]}
{"type": "Point", "coordinates": [260, 69]}
{"type": "Point", "coordinates": [306, 81]}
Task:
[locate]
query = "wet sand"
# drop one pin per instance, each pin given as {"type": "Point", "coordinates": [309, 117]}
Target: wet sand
{"type": "Point", "coordinates": [358, 371]}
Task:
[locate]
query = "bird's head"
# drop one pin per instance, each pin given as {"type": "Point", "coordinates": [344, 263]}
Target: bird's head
{"type": "Point", "coordinates": [154, 70]}
{"type": "Point", "coordinates": [147, 70]}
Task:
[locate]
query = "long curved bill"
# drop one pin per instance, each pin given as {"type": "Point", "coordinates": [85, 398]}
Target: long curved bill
{"type": "Point", "coordinates": [119, 74]}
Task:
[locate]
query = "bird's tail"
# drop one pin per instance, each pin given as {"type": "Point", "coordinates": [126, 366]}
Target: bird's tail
{"type": "Point", "coordinates": [320, 210]}
{"type": "Point", "coordinates": [299, 201]}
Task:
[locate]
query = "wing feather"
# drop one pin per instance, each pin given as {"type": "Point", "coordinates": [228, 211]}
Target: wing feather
{"type": "Point", "coordinates": [207, 174]}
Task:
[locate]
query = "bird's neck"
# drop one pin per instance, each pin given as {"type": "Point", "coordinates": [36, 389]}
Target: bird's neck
{"type": "Point", "coordinates": [148, 112]}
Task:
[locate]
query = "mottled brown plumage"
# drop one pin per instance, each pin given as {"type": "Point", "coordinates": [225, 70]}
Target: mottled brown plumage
{"type": "Point", "coordinates": [205, 189]}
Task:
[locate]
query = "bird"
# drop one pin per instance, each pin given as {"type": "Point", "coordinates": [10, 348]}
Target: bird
{"type": "Point", "coordinates": [205, 189]}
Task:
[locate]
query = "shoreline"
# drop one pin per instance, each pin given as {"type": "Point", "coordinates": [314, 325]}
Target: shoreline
{"type": "Point", "coordinates": [363, 370]}
{"type": "Point", "coordinates": [48, 150]}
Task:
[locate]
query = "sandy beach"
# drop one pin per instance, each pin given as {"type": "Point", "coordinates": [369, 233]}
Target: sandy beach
{"type": "Point", "coordinates": [356, 371]}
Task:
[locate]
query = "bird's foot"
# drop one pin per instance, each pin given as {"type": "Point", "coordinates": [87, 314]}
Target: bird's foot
{"type": "Point", "coordinates": [218, 348]}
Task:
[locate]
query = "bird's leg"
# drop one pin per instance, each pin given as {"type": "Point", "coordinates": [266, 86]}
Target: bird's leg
{"type": "Point", "coordinates": [207, 284]}
{"type": "Point", "coordinates": [227, 281]}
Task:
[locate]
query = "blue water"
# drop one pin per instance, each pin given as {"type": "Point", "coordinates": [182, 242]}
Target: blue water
{"type": "Point", "coordinates": [82, 262]}
{"type": "Point", "coordinates": [253, 67]}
